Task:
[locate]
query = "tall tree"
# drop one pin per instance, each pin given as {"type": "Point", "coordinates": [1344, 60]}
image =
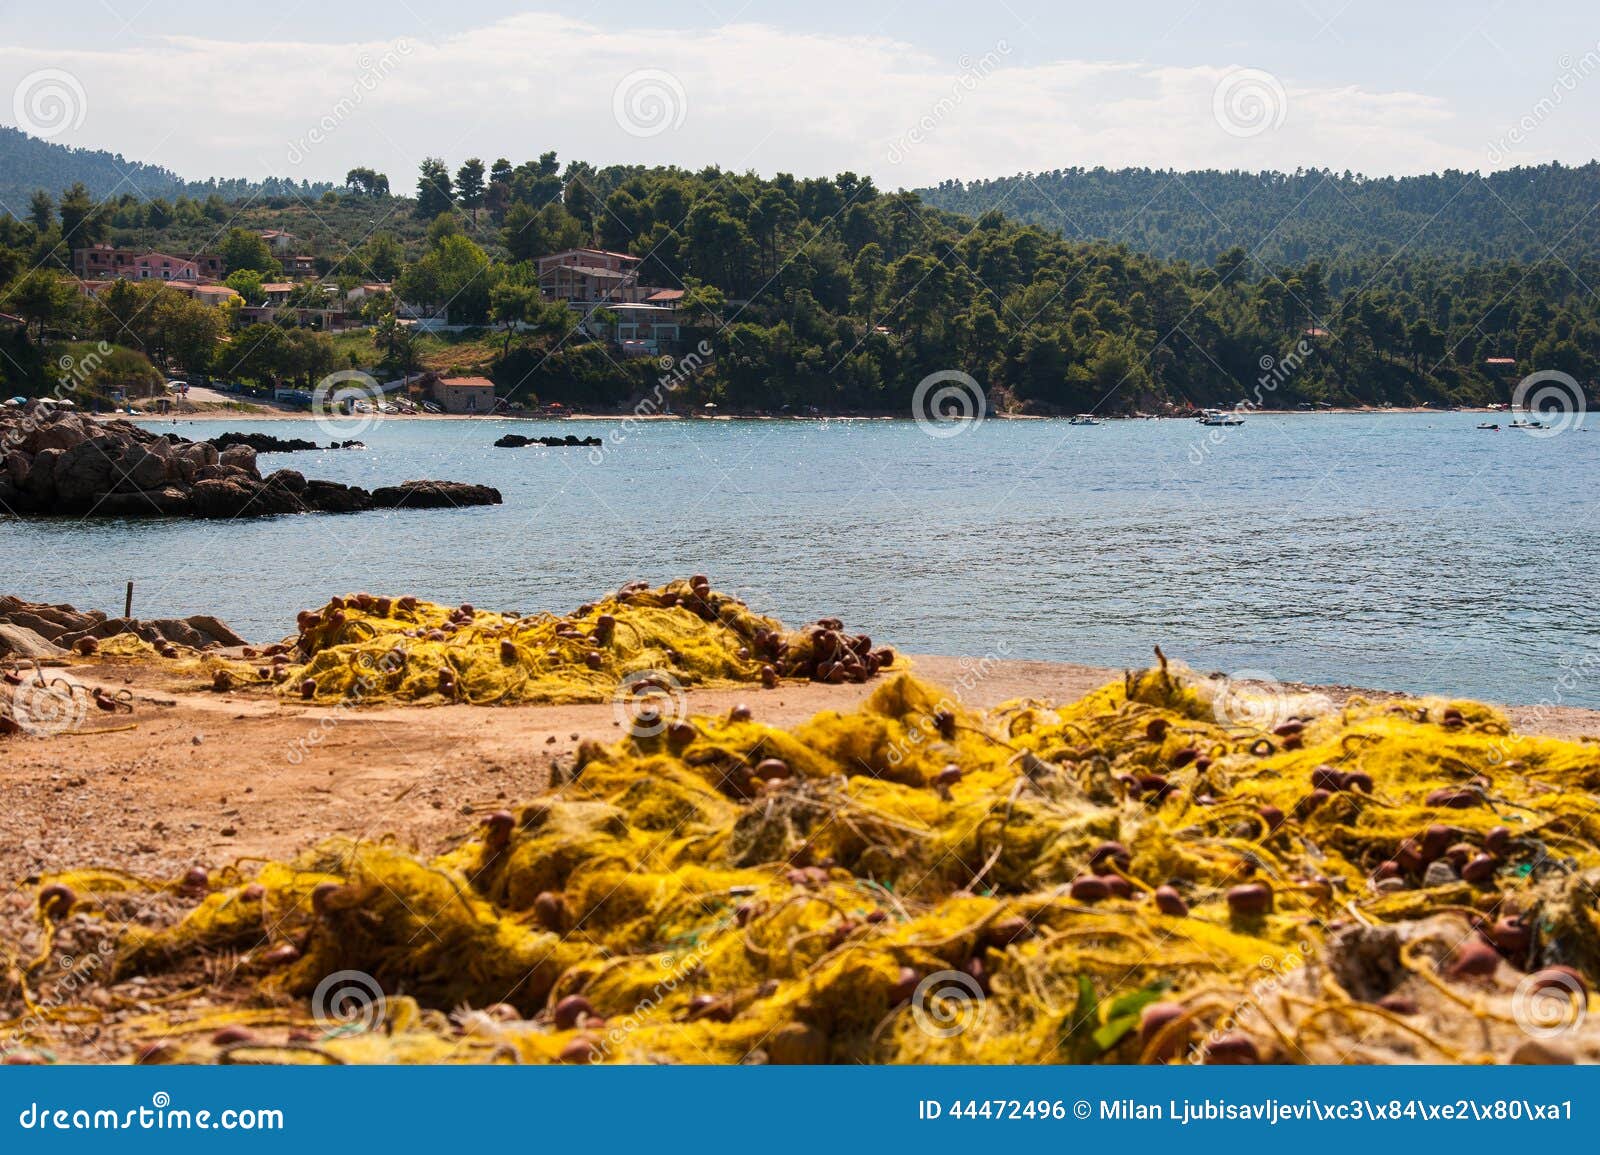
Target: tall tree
{"type": "Point", "coordinates": [366, 182]}
{"type": "Point", "coordinates": [469, 186]}
{"type": "Point", "coordinates": [433, 189]}
{"type": "Point", "coordinates": [41, 210]}
{"type": "Point", "coordinates": [82, 222]}
{"type": "Point", "coordinates": [243, 249]}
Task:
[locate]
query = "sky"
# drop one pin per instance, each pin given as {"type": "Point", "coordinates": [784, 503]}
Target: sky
{"type": "Point", "coordinates": [909, 93]}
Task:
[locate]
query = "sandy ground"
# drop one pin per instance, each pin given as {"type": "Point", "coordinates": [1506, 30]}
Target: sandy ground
{"type": "Point", "coordinates": [198, 777]}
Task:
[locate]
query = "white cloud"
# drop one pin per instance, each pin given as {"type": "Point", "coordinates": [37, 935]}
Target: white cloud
{"type": "Point", "coordinates": [753, 97]}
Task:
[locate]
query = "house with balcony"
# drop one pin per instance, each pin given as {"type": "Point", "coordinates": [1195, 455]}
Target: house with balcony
{"type": "Point", "coordinates": [103, 262]}
{"type": "Point", "coordinates": [603, 288]}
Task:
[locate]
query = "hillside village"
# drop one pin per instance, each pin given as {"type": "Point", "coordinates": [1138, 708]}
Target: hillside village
{"type": "Point", "coordinates": [542, 286]}
{"type": "Point", "coordinates": [602, 289]}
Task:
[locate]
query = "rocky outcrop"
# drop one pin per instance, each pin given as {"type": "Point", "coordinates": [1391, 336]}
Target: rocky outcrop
{"type": "Point", "coordinates": [517, 441]}
{"type": "Point", "coordinates": [267, 443]}
{"type": "Point", "coordinates": [433, 495]}
{"type": "Point", "coordinates": [38, 630]}
{"type": "Point", "coordinates": [21, 642]}
{"type": "Point", "coordinates": [64, 463]}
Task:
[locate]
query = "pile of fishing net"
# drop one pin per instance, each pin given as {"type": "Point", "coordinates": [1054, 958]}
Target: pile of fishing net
{"type": "Point", "coordinates": [645, 642]}
{"type": "Point", "coordinates": [1138, 876]}
{"type": "Point", "coordinates": [370, 648]}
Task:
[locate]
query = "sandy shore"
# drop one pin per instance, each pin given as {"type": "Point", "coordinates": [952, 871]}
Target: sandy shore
{"type": "Point", "coordinates": [198, 777]}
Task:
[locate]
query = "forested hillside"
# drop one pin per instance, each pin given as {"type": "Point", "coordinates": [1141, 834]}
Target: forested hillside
{"type": "Point", "coordinates": [828, 292]}
{"type": "Point", "coordinates": [1518, 214]}
{"type": "Point", "coordinates": [28, 164]}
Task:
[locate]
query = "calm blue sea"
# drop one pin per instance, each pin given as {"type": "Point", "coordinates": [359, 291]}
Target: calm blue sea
{"type": "Point", "coordinates": [1411, 552]}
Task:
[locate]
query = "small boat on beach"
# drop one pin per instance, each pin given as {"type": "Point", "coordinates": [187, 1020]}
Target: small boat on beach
{"type": "Point", "coordinates": [1084, 419]}
{"type": "Point", "coordinates": [1219, 417]}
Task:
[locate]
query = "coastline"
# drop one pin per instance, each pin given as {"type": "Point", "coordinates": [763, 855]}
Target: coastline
{"type": "Point", "coordinates": [222, 413]}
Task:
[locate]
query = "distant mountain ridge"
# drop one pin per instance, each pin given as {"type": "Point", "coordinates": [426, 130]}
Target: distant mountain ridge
{"type": "Point", "coordinates": [1531, 213]}
{"type": "Point", "coordinates": [28, 163]}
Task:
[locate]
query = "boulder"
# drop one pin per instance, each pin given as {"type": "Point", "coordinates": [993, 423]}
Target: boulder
{"type": "Point", "coordinates": [86, 471]}
{"type": "Point", "coordinates": [21, 642]}
{"type": "Point", "coordinates": [62, 431]}
{"type": "Point", "coordinates": [239, 457]}
{"type": "Point", "coordinates": [168, 501]}
{"type": "Point", "coordinates": [331, 497]}
{"type": "Point", "coordinates": [41, 483]}
{"type": "Point", "coordinates": [215, 629]}
{"type": "Point", "coordinates": [265, 443]}
{"type": "Point", "coordinates": [140, 469]}
{"type": "Point", "coordinates": [18, 463]}
{"type": "Point", "coordinates": [434, 495]}
{"type": "Point", "coordinates": [218, 498]}
{"type": "Point", "coordinates": [288, 479]}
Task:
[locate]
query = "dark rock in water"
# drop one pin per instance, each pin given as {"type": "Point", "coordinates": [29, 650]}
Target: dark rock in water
{"type": "Point", "coordinates": [267, 443]}
{"type": "Point", "coordinates": [517, 441]}
{"type": "Point", "coordinates": [433, 495]}
{"type": "Point", "coordinates": [59, 462]}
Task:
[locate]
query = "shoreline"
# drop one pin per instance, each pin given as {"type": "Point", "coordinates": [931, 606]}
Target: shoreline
{"type": "Point", "coordinates": [226, 414]}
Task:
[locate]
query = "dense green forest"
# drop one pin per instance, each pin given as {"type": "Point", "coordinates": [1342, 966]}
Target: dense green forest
{"type": "Point", "coordinates": [824, 292]}
{"type": "Point", "coordinates": [28, 163]}
{"type": "Point", "coordinates": [1313, 214]}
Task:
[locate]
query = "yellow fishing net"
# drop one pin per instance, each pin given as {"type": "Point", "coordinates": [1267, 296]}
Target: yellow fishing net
{"type": "Point", "coordinates": [1139, 875]}
{"type": "Point", "coordinates": [379, 648]}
